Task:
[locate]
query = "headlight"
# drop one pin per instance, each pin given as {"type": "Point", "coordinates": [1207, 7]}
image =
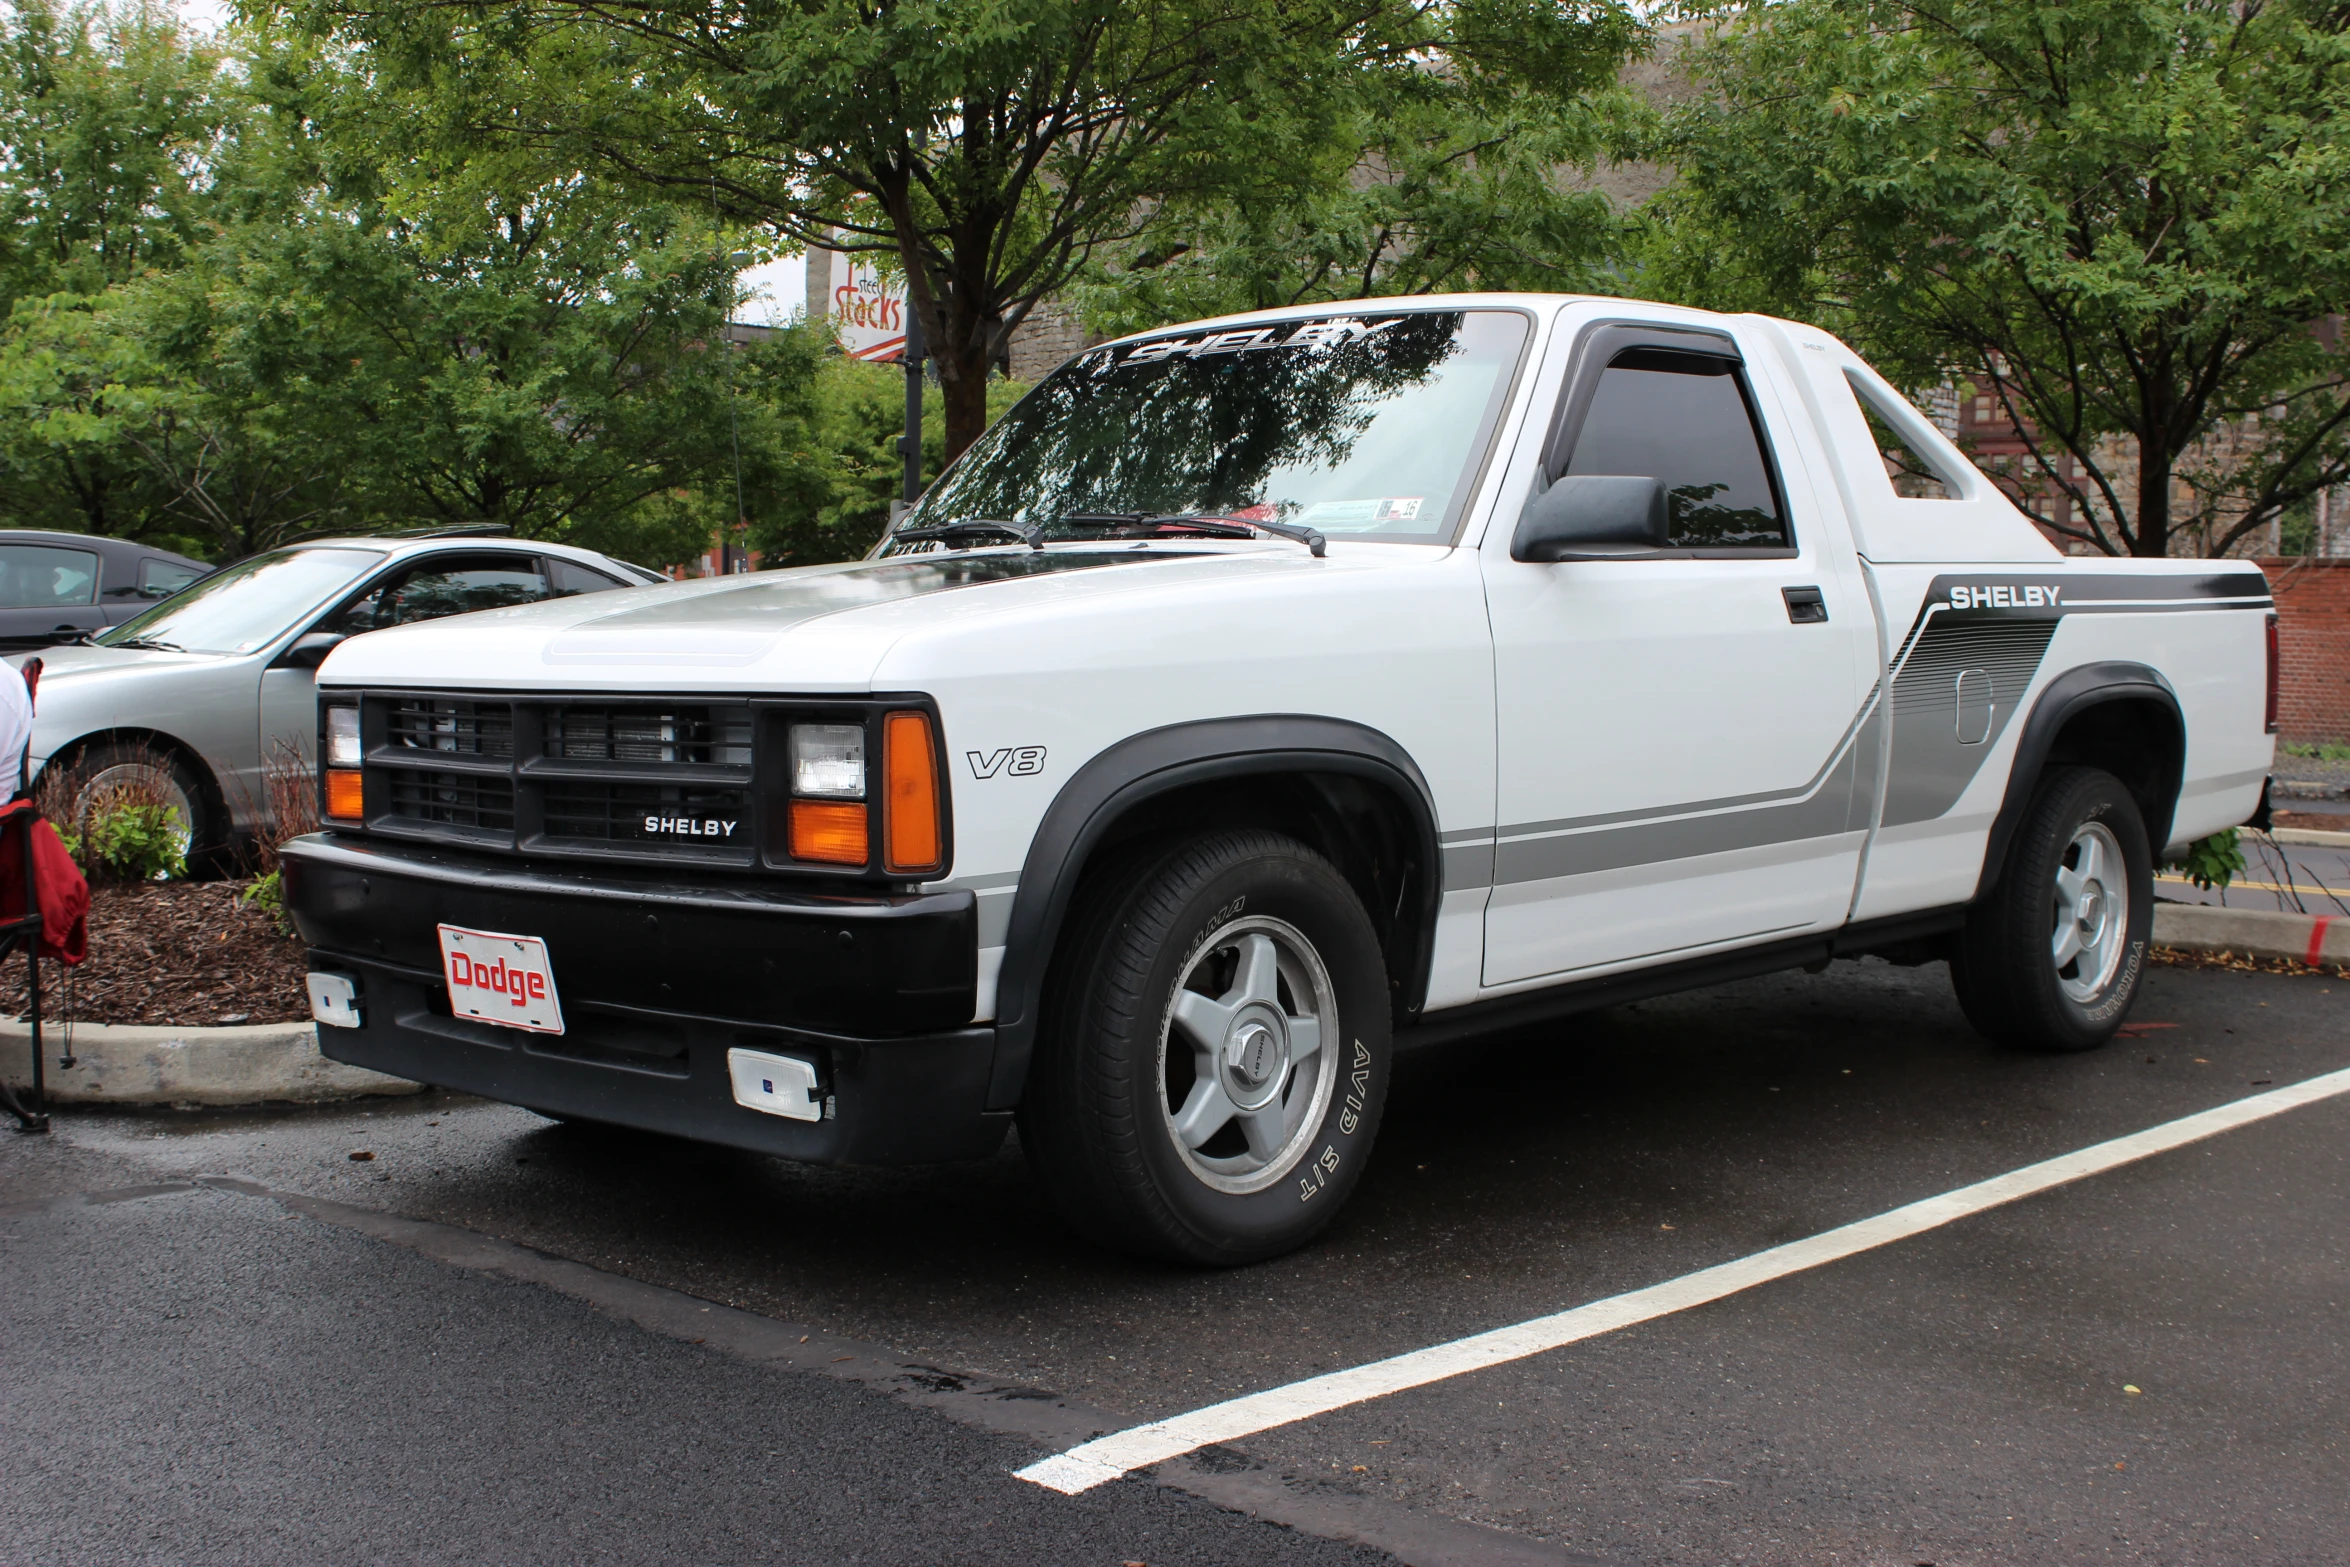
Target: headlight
{"type": "Point", "coordinates": [828, 761]}
{"type": "Point", "coordinates": [342, 737]}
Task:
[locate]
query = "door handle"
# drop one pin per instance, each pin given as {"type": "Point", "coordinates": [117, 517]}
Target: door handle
{"type": "Point", "coordinates": [1805, 606]}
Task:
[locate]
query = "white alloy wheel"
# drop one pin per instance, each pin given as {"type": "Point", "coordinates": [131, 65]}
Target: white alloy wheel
{"type": "Point", "coordinates": [2092, 913]}
{"type": "Point", "coordinates": [1245, 1064]}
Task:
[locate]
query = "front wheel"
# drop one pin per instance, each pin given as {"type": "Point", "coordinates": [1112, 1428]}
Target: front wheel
{"type": "Point", "coordinates": [2051, 959]}
{"type": "Point", "coordinates": [1214, 1051]}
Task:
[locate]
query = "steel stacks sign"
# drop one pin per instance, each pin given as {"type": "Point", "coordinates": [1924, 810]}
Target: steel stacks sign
{"type": "Point", "coordinates": [868, 311]}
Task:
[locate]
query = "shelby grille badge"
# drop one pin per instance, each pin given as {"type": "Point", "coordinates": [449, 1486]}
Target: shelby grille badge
{"type": "Point", "coordinates": [688, 827]}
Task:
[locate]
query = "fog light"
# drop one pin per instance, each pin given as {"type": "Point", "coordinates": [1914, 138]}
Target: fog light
{"type": "Point", "coordinates": [833, 834]}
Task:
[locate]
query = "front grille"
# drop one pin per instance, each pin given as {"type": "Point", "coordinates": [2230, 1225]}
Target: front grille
{"type": "Point", "coordinates": [709, 736]}
{"type": "Point", "coordinates": [461, 728]}
{"type": "Point", "coordinates": [463, 800]}
{"type": "Point", "coordinates": [664, 816]}
{"type": "Point", "coordinates": [633, 779]}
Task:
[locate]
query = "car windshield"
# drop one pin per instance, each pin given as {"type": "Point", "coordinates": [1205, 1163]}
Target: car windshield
{"type": "Point", "coordinates": [248, 605]}
{"type": "Point", "coordinates": [1370, 426]}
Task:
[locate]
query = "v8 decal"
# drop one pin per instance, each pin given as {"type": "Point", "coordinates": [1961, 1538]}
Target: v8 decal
{"type": "Point", "coordinates": [1014, 761]}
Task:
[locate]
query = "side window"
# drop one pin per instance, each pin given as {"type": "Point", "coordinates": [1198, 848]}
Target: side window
{"type": "Point", "coordinates": [1685, 418]}
{"type": "Point", "coordinates": [160, 579]}
{"type": "Point", "coordinates": [445, 585]}
{"type": "Point", "coordinates": [41, 576]}
{"type": "Point", "coordinates": [1912, 475]}
{"type": "Point", "coordinates": [571, 578]}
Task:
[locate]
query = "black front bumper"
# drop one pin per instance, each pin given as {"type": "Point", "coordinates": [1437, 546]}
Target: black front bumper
{"type": "Point", "coordinates": [658, 979]}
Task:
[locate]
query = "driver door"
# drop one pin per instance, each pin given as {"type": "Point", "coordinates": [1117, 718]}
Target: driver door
{"type": "Point", "coordinates": [1680, 765]}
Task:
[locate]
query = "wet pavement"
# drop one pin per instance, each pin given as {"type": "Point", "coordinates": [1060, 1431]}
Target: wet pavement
{"type": "Point", "coordinates": [1959, 1398]}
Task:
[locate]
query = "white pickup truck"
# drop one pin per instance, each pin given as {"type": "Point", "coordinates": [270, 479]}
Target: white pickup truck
{"type": "Point", "coordinates": [1256, 699]}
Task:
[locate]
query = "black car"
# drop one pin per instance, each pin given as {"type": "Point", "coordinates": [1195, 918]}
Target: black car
{"type": "Point", "coordinates": [56, 586]}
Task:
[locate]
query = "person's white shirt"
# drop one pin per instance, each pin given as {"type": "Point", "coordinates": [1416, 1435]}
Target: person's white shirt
{"type": "Point", "coordinates": [16, 727]}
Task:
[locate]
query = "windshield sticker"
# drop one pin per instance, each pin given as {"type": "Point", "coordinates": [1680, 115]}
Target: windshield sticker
{"type": "Point", "coordinates": [1308, 334]}
{"type": "Point", "coordinates": [1363, 513]}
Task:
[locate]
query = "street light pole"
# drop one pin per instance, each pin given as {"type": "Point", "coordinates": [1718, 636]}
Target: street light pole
{"type": "Point", "coordinates": [911, 442]}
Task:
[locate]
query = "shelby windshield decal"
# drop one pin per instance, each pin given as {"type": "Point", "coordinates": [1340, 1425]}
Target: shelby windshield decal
{"type": "Point", "coordinates": [1306, 334]}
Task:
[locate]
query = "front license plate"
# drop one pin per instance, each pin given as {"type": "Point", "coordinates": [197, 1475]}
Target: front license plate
{"type": "Point", "coordinates": [500, 979]}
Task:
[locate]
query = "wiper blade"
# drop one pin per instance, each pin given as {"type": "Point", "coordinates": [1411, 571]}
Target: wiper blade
{"type": "Point", "coordinates": [969, 530]}
{"type": "Point", "coordinates": [1217, 525]}
{"type": "Point", "coordinates": [155, 644]}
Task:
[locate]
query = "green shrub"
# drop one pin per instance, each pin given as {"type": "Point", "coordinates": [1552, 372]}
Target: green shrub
{"type": "Point", "coordinates": [2321, 751]}
{"type": "Point", "coordinates": [2213, 861]}
{"type": "Point", "coordinates": [130, 835]}
{"type": "Point", "coordinates": [267, 892]}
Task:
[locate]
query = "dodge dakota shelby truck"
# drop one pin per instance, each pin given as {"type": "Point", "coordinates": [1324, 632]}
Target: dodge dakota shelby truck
{"type": "Point", "coordinates": [1258, 698]}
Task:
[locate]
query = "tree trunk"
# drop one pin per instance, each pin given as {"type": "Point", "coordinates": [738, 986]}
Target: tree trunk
{"type": "Point", "coordinates": [962, 384]}
{"type": "Point", "coordinates": [2151, 536]}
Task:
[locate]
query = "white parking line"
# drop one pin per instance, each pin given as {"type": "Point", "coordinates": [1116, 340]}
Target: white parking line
{"type": "Point", "coordinates": [1106, 1458]}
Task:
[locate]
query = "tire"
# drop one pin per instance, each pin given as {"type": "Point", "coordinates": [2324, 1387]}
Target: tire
{"type": "Point", "coordinates": [1195, 1130]}
{"type": "Point", "coordinates": [2046, 961]}
{"type": "Point", "coordinates": [170, 774]}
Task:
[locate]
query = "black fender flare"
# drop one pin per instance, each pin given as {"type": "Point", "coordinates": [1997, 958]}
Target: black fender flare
{"type": "Point", "coordinates": [2068, 696]}
{"type": "Point", "coordinates": [1156, 762]}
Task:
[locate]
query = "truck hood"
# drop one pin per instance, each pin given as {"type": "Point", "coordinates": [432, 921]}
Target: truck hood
{"type": "Point", "coordinates": [811, 628]}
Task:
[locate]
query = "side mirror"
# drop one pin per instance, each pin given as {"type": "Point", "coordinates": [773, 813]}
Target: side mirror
{"type": "Point", "coordinates": [309, 650]}
{"type": "Point", "coordinates": [1592, 516]}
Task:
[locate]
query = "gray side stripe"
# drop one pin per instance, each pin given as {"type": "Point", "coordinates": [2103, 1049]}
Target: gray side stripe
{"type": "Point", "coordinates": [1468, 865]}
{"type": "Point", "coordinates": [1468, 835]}
{"type": "Point", "coordinates": [1826, 813]}
{"type": "Point", "coordinates": [994, 910]}
{"type": "Point", "coordinates": [980, 883]}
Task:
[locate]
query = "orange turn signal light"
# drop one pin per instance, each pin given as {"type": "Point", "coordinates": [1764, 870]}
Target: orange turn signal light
{"type": "Point", "coordinates": [829, 831]}
{"type": "Point", "coordinates": [345, 794]}
{"type": "Point", "coordinates": [912, 837]}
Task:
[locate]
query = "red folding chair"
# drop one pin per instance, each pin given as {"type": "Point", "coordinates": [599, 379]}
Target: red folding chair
{"type": "Point", "coordinates": [45, 914]}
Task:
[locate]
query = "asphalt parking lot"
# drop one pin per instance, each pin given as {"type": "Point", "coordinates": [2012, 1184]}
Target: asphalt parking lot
{"type": "Point", "coordinates": [2146, 1365]}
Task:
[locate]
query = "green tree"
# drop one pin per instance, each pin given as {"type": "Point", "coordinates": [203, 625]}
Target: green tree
{"type": "Point", "coordinates": [989, 147]}
{"type": "Point", "coordinates": [846, 465]}
{"type": "Point", "coordinates": [1457, 157]}
{"type": "Point", "coordinates": [2127, 220]}
{"type": "Point", "coordinates": [111, 119]}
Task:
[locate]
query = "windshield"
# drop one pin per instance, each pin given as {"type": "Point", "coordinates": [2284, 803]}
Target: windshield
{"type": "Point", "coordinates": [246, 606]}
{"type": "Point", "coordinates": [1369, 426]}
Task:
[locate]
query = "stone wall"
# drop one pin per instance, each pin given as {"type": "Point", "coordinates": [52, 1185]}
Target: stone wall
{"type": "Point", "coordinates": [1050, 335]}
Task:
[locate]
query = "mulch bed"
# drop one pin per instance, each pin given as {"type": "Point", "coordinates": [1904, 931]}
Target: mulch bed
{"type": "Point", "coordinates": [183, 953]}
{"type": "Point", "coordinates": [2310, 821]}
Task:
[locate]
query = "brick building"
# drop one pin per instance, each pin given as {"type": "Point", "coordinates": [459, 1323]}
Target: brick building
{"type": "Point", "coordinates": [2313, 636]}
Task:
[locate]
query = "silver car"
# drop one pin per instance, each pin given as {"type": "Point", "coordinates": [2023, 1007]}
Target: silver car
{"type": "Point", "coordinates": [201, 696]}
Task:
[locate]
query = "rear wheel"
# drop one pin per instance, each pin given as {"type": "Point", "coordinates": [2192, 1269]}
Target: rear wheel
{"type": "Point", "coordinates": [147, 770]}
{"type": "Point", "coordinates": [2051, 959]}
{"type": "Point", "coordinates": [1214, 1051]}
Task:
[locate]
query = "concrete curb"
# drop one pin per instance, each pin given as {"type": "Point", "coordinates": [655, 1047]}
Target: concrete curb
{"type": "Point", "coordinates": [2253, 933]}
{"type": "Point", "coordinates": [131, 1064]}
{"type": "Point", "coordinates": [2312, 838]}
